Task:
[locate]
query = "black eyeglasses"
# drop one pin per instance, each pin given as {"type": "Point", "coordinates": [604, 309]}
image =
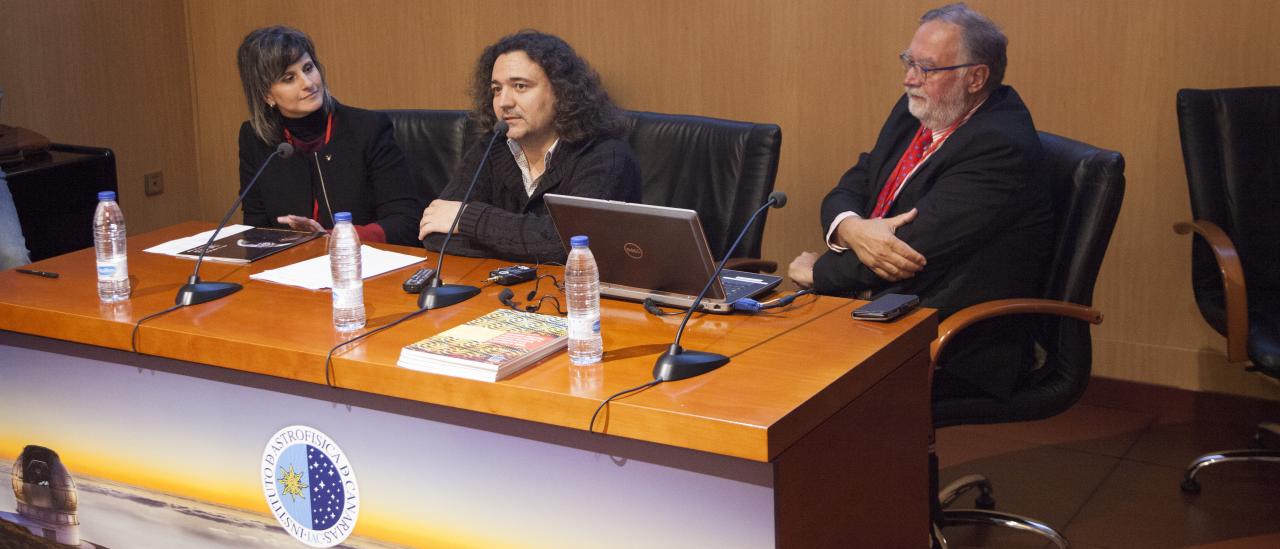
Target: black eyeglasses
{"type": "Point", "coordinates": [908, 63]}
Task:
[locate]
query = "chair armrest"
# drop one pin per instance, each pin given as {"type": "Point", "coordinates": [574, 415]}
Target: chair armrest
{"type": "Point", "coordinates": [752, 265]}
{"type": "Point", "coordinates": [1237, 299]}
{"type": "Point", "coordinates": [956, 323]}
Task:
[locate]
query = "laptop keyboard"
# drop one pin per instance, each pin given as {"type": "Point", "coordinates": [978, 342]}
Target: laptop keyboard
{"type": "Point", "coordinates": [733, 287]}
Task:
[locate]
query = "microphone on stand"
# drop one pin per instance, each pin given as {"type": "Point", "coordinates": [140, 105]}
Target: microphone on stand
{"type": "Point", "coordinates": [677, 363]}
{"type": "Point", "coordinates": [195, 291]}
{"type": "Point", "coordinates": [437, 295]}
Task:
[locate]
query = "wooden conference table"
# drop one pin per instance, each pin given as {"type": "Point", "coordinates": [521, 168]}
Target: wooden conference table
{"type": "Point", "coordinates": [830, 415]}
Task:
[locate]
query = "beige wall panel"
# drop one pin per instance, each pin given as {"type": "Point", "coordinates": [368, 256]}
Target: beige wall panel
{"type": "Point", "coordinates": [1203, 369]}
{"type": "Point", "coordinates": [1099, 71]}
{"type": "Point", "coordinates": [802, 66]}
{"type": "Point", "coordinates": [107, 74]}
{"type": "Point", "coordinates": [1107, 73]}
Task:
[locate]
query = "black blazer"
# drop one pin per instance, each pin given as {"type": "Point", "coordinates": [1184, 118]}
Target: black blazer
{"type": "Point", "coordinates": [985, 223]}
{"type": "Point", "coordinates": [364, 172]}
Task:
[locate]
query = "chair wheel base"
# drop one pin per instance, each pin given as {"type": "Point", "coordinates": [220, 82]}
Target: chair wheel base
{"type": "Point", "coordinates": [1191, 486]}
{"type": "Point", "coordinates": [955, 517]}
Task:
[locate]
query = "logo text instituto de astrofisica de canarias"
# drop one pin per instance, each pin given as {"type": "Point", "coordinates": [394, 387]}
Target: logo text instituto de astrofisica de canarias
{"type": "Point", "coordinates": [310, 486]}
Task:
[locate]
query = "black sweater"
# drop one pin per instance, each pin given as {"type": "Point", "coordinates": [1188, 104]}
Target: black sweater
{"type": "Point", "coordinates": [502, 220]}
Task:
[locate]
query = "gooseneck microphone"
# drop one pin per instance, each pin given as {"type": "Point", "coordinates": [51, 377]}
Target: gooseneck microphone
{"type": "Point", "coordinates": [438, 295]}
{"type": "Point", "coordinates": [195, 291]}
{"type": "Point", "coordinates": [677, 363]}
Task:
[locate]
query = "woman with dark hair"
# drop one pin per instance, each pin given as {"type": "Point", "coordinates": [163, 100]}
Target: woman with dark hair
{"type": "Point", "coordinates": [347, 158]}
{"type": "Point", "coordinates": [563, 138]}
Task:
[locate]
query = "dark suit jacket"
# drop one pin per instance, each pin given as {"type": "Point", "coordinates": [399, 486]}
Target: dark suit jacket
{"type": "Point", "coordinates": [502, 220]}
{"type": "Point", "coordinates": [984, 226]}
{"type": "Point", "coordinates": [364, 173]}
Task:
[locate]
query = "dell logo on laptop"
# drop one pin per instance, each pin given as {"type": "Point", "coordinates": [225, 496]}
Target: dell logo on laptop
{"type": "Point", "coordinates": [633, 250]}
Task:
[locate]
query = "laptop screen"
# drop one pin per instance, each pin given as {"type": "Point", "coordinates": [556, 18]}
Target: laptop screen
{"type": "Point", "coordinates": [640, 246]}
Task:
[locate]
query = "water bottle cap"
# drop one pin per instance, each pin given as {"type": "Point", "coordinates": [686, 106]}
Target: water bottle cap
{"type": "Point", "coordinates": [579, 241]}
{"type": "Point", "coordinates": [106, 195]}
{"type": "Point", "coordinates": [342, 216]}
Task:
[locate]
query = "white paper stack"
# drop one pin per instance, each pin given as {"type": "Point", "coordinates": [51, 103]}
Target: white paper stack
{"type": "Point", "coordinates": [313, 274]}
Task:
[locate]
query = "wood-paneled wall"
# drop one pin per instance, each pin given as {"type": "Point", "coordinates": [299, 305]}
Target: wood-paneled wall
{"type": "Point", "coordinates": [1100, 71]}
{"type": "Point", "coordinates": [108, 74]}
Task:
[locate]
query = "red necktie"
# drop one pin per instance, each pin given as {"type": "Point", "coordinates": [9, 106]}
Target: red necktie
{"type": "Point", "coordinates": [908, 162]}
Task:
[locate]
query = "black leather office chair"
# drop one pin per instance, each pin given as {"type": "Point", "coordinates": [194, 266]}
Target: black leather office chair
{"type": "Point", "coordinates": [722, 169]}
{"type": "Point", "coordinates": [1232, 157]}
{"type": "Point", "coordinates": [1088, 187]}
{"type": "Point", "coordinates": [433, 142]}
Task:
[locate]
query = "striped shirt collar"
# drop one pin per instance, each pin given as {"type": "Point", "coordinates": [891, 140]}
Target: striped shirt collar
{"type": "Point", "coordinates": [530, 183]}
{"type": "Point", "coordinates": [941, 135]}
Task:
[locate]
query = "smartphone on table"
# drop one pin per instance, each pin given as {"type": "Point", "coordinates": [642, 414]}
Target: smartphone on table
{"type": "Point", "coordinates": [886, 307]}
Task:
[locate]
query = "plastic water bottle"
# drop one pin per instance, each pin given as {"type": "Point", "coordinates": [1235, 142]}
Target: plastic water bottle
{"type": "Point", "coordinates": [582, 287]}
{"type": "Point", "coordinates": [348, 284]}
{"type": "Point", "coordinates": [112, 251]}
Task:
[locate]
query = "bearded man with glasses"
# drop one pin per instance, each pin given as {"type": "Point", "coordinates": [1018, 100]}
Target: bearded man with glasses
{"type": "Point", "coordinates": [946, 206]}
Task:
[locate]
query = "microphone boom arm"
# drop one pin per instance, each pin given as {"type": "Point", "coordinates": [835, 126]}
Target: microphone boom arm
{"type": "Point", "coordinates": [438, 295]}
{"type": "Point", "coordinates": [195, 291]}
{"type": "Point", "coordinates": [677, 363]}
{"type": "Point", "coordinates": [222, 224]}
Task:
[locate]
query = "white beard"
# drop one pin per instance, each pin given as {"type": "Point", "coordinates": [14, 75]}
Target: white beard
{"type": "Point", "coordinates": [944, 111]}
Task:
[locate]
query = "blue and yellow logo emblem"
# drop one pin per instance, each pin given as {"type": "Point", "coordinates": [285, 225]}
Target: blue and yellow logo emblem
{"type": "Point", "coordinates": [310, 486]}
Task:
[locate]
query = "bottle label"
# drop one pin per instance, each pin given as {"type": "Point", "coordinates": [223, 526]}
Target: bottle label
{"type": "Point", "coordinates": [583, 328]}
{"type": "Point", "coordinates": [348, 298]}
{"type": "Point", "coordinates": [114, 270]}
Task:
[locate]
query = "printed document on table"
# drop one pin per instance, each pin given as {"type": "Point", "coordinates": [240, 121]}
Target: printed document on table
{"type": "Point", "coordinates": [314, 274]}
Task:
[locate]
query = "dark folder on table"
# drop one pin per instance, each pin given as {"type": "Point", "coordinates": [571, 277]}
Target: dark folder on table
{"type": "Point", "coordinates": [250, 245]}
{"type": "Point", "coordinates": [652, 252]}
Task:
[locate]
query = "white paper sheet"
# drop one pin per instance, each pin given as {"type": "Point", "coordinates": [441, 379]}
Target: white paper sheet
{"type": "Point", "coordinates": [174, 247]}
{"type": "Point", "coordinates": [313, 274]}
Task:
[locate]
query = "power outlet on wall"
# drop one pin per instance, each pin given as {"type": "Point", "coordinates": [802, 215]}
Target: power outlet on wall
{"type": "Point", "coordinates": [154, 183]}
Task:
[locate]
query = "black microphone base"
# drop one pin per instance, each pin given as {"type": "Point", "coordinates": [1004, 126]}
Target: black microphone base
{"type": "Point", "coordinates": [439, 297]}
{"type": "Point", "coordinates": [195, 292]}
{"type": "Point", "coordinates": [686, 364]}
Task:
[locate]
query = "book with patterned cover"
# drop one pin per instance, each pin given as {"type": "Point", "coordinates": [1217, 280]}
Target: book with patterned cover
{"type": "Point", "coordinates": [490, 347]}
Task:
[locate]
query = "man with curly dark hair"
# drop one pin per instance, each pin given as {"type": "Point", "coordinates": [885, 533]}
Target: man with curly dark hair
{"type": "Point", "coordinates": [563, 137]}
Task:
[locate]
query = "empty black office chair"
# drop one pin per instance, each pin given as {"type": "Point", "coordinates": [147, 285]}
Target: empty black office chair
{"type": "Point", "coordinates": [722, 169]}
{"type": "Point", "coordinates": [1088, 187]}
{"type": "Point", "coordinates": [1232, 155]}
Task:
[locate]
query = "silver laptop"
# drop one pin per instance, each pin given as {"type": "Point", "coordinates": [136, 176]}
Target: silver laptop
{"type": "Point", "coordinates": [652, 252]}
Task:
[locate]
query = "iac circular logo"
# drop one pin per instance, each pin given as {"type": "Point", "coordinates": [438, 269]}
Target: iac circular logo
{"type": "Point", "coordinates": [310, 486]}
{"type": "Point", "coordinates": [633, 250]}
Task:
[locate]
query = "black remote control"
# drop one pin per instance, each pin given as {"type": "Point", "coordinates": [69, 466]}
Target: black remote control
{"type": "Point", "coordinates": [419, 280]}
